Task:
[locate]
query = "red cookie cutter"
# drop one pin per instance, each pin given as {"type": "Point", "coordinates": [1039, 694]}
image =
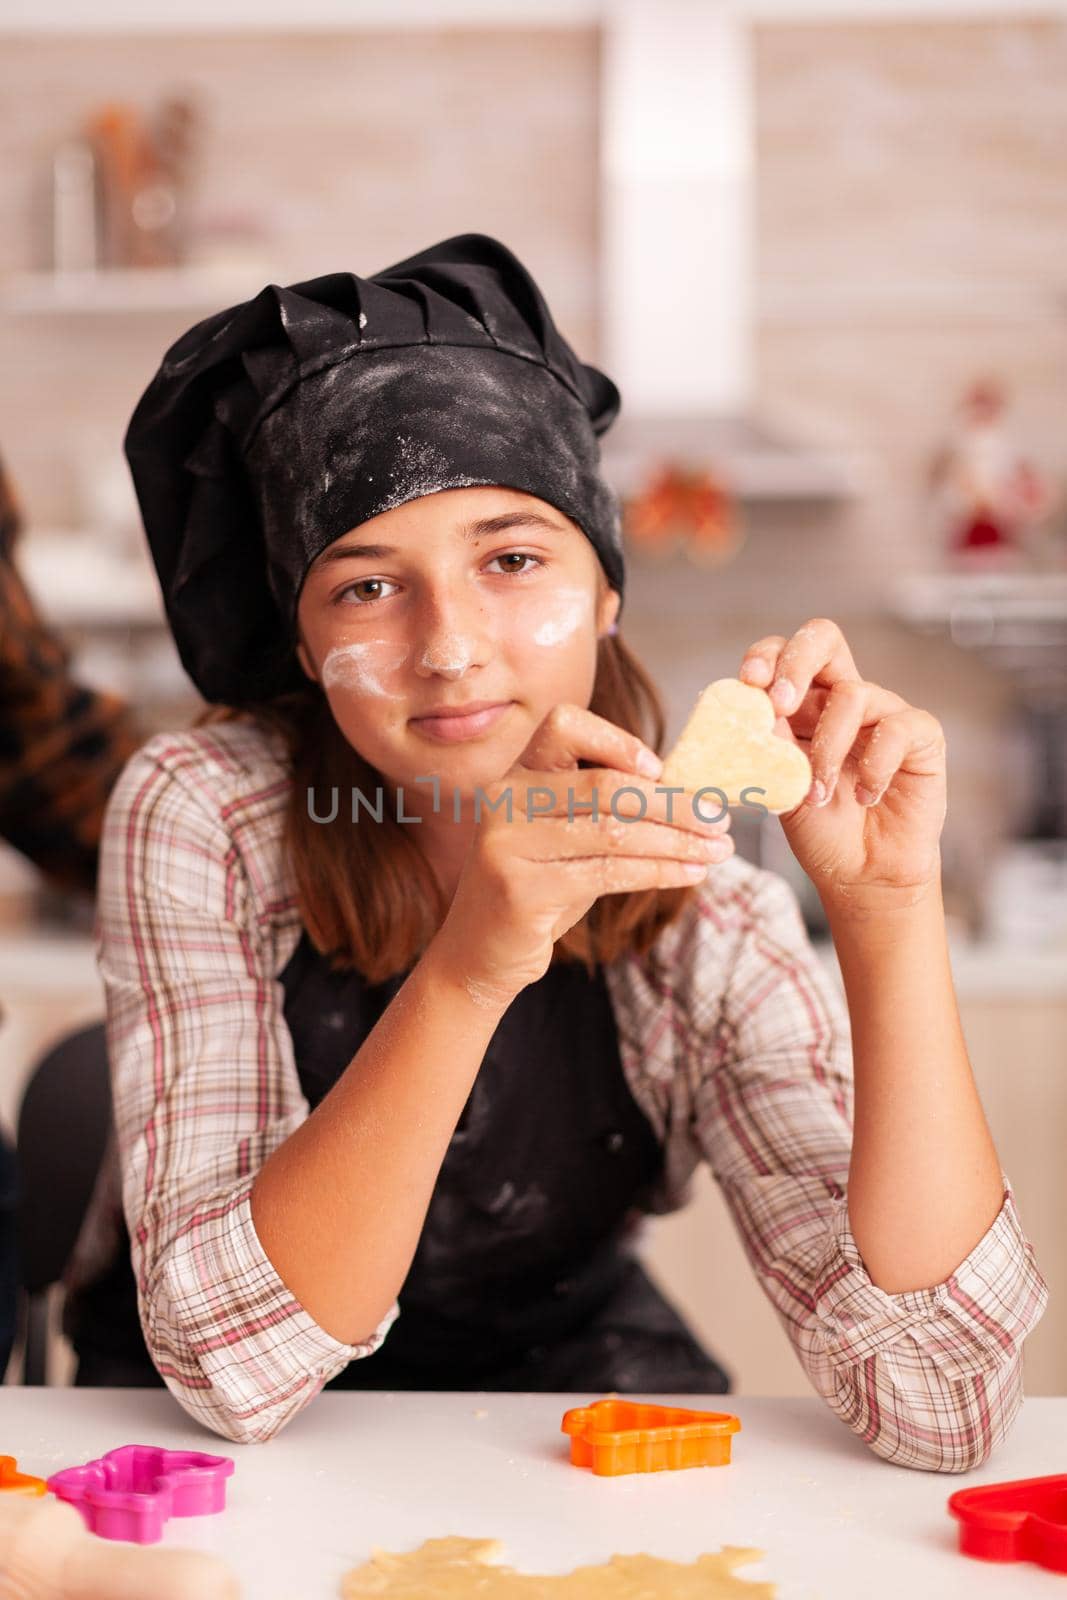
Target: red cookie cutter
{"type": "Point", "coordinates": [12, 1481]}
{"type": "Point", "coordinates": [616, 1436]}
{"type": "Point", "coordinates": [130, 1492]}
{"type": "Point", "coordinates": [1024, 1520]}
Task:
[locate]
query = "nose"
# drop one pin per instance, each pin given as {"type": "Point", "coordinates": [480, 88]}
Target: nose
{"type": "Point", "coordinates": [453, 636]}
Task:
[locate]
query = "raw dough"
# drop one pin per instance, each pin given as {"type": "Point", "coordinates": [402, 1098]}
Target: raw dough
{"type": "Point", "coordinates": [729, 743]}
{"type": "Point", "coordinates": [454, 1568]}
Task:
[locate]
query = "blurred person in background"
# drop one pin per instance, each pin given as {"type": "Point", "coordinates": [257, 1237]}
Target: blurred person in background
{"type": "Point", "coordinates": [62, 746]}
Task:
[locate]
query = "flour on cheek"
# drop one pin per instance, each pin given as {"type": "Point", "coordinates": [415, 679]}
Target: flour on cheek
{"type": "Point", "coordinates": [369, 666]}
{"type": "Point", "coordinates": [560, 616]}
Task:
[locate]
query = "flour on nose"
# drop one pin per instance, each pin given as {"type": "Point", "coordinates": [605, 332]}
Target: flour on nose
{"type": "Point", "coordinates": [450, 656]}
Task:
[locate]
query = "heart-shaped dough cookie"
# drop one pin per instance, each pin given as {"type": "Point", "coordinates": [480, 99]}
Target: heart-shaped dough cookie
{"type": "Point", "coordinates": [729, 743]}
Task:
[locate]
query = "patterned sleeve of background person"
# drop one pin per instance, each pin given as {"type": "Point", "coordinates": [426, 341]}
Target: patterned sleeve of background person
{"type": "Point", "coordinates": [62, 745]}
{"type": "Point", "coordinates": [929, 1377]}
{"type": "Point", "coordinates": [204, 1082]}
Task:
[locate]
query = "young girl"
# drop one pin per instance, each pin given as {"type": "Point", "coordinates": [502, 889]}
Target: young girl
{"type": "Point", "coordinates": [420, 991]}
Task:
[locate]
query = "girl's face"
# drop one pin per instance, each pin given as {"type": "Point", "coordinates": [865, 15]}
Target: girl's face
{"type": "Point", "coordinates": [484, 596]}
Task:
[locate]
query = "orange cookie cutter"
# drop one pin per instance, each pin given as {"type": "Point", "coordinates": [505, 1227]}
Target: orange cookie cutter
{"type": "Point", "coordinates": [12, 1481]}
{"type": "Point", "coordinates": [617, 1436]}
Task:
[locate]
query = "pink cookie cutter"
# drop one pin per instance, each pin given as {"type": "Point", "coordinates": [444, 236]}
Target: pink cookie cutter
{"type": "Point", "coordinates": [130, 1492]}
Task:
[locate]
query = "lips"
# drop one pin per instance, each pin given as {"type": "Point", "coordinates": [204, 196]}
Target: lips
{"type": "Point", "coordinates": [456, 723]}
{"type": "Point", "coordinates": [468, 708]}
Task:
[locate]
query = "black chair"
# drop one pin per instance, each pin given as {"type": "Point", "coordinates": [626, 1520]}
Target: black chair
{"type": "Point", "coordinates": [9, 1292]}
{"type": "Point", "coordinates": [61, 1136]}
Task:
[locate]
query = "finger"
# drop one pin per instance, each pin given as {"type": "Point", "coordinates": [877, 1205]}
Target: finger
{"type": "Point", "coordinates": [817, 651]}
{"type": "Point", "coordinates": [607, 792]}
{"type": "Point", "coordinates": [911, 740]}
{"type": "Point", "coordinates": [570, 733]}
{"type": "Point", "coordinates": [625, 874]}
{"type": "Point", "coordinates": [560, 840]}
{"type": "Point", "coordinates": [760, 659]}
{"type": "Point", "coordinates": [799, 726]}
{"type": "Point", "coordinates": [849, 708]}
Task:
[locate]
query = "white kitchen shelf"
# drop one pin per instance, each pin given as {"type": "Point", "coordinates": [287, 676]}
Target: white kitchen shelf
{"type": "Point", "coordinates": [272, 16]}
{"type": "Point", "coordinates": [1015, 621]}
{"type": "Point", "coordinates": [896, 299]}
{"type": "Point", "coordinates": [118, 290]}
{"type": "Point", "coordinates": [986, 969]}
{"type": "Point", "coordinates": [49, 962]}
{"type": "Point", "coordinates": [79, 581]}
{"type": "Point", "coordinates": [969, 599]}
{"type": "Point", "coordinates": [756, 460]}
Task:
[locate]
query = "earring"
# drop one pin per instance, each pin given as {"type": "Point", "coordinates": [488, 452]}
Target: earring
{"type": "Point", "coordinates": [614, 628]}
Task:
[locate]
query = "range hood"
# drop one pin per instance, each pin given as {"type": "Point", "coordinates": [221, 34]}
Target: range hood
{"type": "Point", "coordinates": [677, 166]}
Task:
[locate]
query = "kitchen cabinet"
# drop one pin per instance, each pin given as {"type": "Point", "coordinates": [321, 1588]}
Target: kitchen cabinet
{"type": "Point", "coordinates": [119, 291]}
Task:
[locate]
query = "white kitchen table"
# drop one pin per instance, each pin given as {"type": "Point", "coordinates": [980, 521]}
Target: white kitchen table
{"type": "Point", "coordinates": [391, 1469]}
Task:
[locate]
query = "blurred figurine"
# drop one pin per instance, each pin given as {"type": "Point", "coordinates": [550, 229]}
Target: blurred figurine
{"type": "Point", "coordinates": [679, 507]}
{"type": "Point", "coordinates": [987, 493]}
{"type": "Point", "coordinates": [62, 747]}
{"type": "Point", "coordinates": [145, 167]}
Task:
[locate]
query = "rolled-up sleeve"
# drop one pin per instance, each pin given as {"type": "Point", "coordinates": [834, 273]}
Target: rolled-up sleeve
{"type": "Point", "coordinates": [205, 1088]}
{"type": "Point", "coordinates": [928, 1378]}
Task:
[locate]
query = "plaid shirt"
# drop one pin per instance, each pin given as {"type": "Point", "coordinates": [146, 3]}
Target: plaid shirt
{"type": "Point", "coordinates": [61, 745]}
{"type": "Point", "coordinates": [735, 1043]}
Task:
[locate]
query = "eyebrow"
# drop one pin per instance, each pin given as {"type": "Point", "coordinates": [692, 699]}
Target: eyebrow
{"type": "Point", "coordinates": [470, 531]}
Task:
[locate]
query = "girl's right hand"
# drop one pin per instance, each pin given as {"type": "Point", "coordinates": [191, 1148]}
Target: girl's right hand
{"type": "Point", "coordinates": [526, 881]}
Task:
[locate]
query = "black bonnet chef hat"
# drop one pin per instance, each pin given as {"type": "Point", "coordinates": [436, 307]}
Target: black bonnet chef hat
{"type": "Point", "coordinates": [274, 427]}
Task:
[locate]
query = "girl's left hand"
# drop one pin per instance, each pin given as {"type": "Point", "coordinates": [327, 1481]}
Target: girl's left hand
{"type": "Point", "coordinates": [861, 854]}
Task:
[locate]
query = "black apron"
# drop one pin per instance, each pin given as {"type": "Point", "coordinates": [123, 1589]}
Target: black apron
{"type": "Point", "coordinates": [522, 1277]}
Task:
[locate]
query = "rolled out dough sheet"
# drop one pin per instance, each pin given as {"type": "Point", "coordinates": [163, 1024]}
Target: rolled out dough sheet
{"type": "Point", "coordinates": [454, 1568]}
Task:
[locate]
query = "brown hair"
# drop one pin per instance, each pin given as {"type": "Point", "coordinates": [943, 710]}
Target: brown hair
{"type": "Point", "coordinates": [368, 896]}
{"type": "Point", "coordinates": [10, 514]}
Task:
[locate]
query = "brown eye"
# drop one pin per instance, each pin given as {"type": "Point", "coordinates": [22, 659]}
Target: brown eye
{"type": "Point", "coordinates": [362, 584]}
{"type": "Point", "coordinates": [518, 555]}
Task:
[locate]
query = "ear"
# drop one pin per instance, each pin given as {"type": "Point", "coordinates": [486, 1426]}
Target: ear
{"type": "Point", "coordinates": [305, 662]}
{"type": "Point", "coordinates": [607, 611]}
